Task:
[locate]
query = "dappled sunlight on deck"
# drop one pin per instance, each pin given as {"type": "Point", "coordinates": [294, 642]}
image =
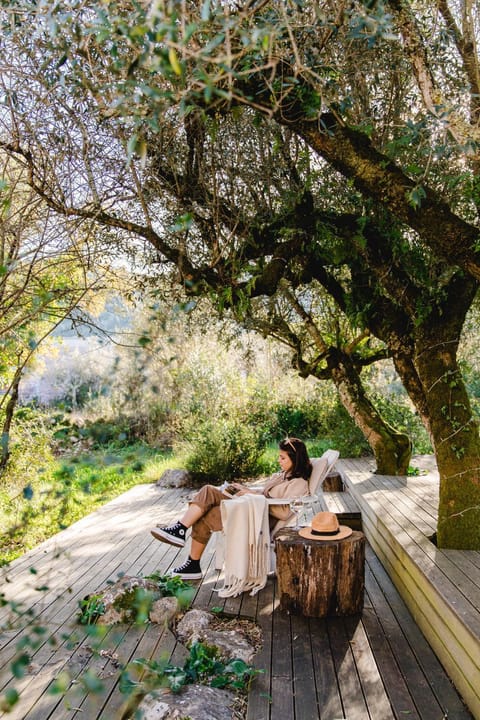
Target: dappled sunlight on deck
{"type": "Point", "coordinates": [375, 665]}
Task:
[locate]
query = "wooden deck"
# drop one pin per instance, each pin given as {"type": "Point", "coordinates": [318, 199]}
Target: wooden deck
{"type": "Point", "coordinates": [376, 666]}
{"type": "Point", "coordinates": [440, 587]}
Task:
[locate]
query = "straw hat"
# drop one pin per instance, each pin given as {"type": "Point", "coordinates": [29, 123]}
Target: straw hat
{"type": "Point", "coordinates": [325, 527]}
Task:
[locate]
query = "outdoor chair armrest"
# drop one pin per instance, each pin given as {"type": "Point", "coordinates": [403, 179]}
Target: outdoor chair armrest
{"type": "Point", "coordinates": [282, 501]}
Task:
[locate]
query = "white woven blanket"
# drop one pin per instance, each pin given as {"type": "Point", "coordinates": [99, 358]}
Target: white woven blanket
{"type": "Point", "coordinates": [247, 541]}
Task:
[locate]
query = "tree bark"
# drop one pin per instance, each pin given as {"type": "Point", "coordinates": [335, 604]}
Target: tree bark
{"type": "Point", "coordinates": [392, 449]}
{"type": "Point", "coordinates": [429, 370]}
{"type": "Point", "coordinates": [7, 423]}
{"type": "Point", "coordinates": [456, 442]}
{"type": "Point", "coordinates": [320, 578]}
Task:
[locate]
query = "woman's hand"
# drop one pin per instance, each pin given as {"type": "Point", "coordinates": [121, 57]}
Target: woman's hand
{"type": "Point", "coordinates": [242, 490]}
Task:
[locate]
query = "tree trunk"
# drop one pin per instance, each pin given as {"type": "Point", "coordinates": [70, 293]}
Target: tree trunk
{"type": "Point", "coordinates": [425, 356]}
{"type": "Point", "coordinates": [9, 410]}
{"type": "Point", "coordinates": [320, 578]}
{"type": "Point", "coordinates": [392, 449]}
{"type": "Point", "coordinates": [456, 442]}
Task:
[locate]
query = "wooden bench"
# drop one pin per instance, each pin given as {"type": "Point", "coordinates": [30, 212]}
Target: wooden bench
{"type": "Point", "coordinates": [440, 587]}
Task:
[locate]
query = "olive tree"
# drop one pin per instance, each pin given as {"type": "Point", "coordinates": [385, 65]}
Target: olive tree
{"type": "Point", "coordinates": [268, 149]}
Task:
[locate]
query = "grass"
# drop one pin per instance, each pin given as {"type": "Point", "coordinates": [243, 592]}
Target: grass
{"type": "Point", "coordinates": [67, 489]}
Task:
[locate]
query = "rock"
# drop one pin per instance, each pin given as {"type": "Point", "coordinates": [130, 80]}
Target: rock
{"type": "Point", "coordinates": [118, 599]}
{"type": "Point", "coordinates": [164, 610]}
{"type": "Point", "coordinates": [191, 627]}
{"type": "Point", "coordinates": [230, 644]}
{"type": "Point", "coordinates": [194, 627]}
{"type": "Point", "coordinates": [196, 702]}
{"type": "Point", "coordinates": [111, 616]}
{"type": "Point", "coordinates": [175, 478]}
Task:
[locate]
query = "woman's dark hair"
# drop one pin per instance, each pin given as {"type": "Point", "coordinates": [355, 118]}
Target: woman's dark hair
{"type": "Point", "coordinates": [298, 454]}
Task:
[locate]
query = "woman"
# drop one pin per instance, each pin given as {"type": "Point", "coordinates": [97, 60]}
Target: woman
{"type": "Point", "coordinates": [203, 513]}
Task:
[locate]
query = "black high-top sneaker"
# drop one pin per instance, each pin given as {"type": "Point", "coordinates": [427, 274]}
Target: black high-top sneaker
{"type": "Point", "coordinates": [190, 570]}
{"type": "Point", "coordinates": [172, 534]}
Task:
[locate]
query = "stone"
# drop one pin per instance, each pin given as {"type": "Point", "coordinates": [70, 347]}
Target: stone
{"type": "Point", "coordinates": [112, 616]}
{"type": "Point", "coordinates": [230, 644]}
{"type": "Point", "coordinates": [119, 600]}
{"type": "Point", "coordinates": [196, 702]}
{"type": "Point", "coordinates": [164, 610]}
{"type": "Point", "coordinates": [195, 627]}
{"type": "Point", "coordinates": [192, 625]}
{"type": "Point", "coordinates": [175, 478]}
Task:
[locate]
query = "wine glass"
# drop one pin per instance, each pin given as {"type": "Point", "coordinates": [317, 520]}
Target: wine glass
{"type": "Point", "coordinates": [296, 506]}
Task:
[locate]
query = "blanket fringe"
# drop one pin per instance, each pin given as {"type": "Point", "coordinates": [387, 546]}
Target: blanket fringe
{"type": "Point", "coordinates": [236, 586]}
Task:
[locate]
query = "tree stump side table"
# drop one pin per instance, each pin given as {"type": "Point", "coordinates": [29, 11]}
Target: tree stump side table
{"type": "Point", "coordinates": [317, 578]}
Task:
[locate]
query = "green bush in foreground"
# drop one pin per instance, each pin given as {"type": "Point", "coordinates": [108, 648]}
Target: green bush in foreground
{"type": "Point", "coordinates": [203, 665]}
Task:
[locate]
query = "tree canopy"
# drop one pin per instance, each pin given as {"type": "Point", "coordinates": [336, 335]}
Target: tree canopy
{"type": "Point", "coordinates": [268, 153]}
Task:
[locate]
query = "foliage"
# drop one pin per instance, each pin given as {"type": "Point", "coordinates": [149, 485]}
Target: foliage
{"type": "Point", "coordinates": [93, 433]}
{"type": "Point", "coordinates": [42, 282]}
{"type": "Point", "coordinates": [91, 608]}
{"type": "Point", "coordinates": [35, 637]}
{"type": "Point", "coordinates": [60, 492]}
{"type": "Point", "coordinates": [36, 634]}
{"type": "Point", "coordinates": [30, 446]}
{"type": "Point", "coordinates": [204, 664]}
{"type": "Point", "coordinates": [173, 586]}
{"type": "Point", "coordinates": [342, 433]}
{"type": "Point", "coordinates": [319, 414]}
{"type": "Point", "coordinates": [397, 411]}
{"type": "Point", "coordinates": [137, 602]}
{"type": "Point", "coordinates": [222, 450]}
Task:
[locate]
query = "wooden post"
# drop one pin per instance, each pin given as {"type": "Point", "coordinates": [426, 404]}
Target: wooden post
{"type": "Point", "coordinates": [318, 578]}
{"type": "Point", "coordinates": [333, 483]}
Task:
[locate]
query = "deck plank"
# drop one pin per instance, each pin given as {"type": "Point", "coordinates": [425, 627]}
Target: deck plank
{"type": "Point", "coordinates": [353, 701]}
{"type": "Point", "coordinates": [328, 693]}
{"type": "Point", "coordinates": [304, 688]}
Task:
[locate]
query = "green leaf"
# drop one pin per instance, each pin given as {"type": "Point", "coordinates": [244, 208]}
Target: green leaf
{"type": "Point", "coordinates": [177, 678]}
{"type": "Point", "coordinates": [183, 222]}
{"type": "Point", "coordinates": [9, 699]}
{"type": "Point", "coordinates": [416, 196]}
{"type": "Point", "coordinates": [126, 683]}
{"type": "Point", "coordinates": [144, 340]}
{"type": "Point", "coordinates": [60, 685]}
{"type": "Point", "coordinates": [27, 492]}
{"type": "Point", "coordinates": [173, 59]}
{"type": "Point", "coordinates": [19, 665]}
{"type": "Point", "coordinates": [220, 681]}
{"type": "Point", "coordinates": [92, 682]}
{"type": "Point", "coordinates": [132, 144]}
{"type": "Point", "coordinates": [237, 666]}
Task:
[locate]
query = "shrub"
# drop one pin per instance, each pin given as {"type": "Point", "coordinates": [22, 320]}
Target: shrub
{"type": "Point", "coordinates": [222, 451]}
{"type": "Point", "coordinates": [342, 434]}
{"type": "Point", "coordinates": [397, 411]}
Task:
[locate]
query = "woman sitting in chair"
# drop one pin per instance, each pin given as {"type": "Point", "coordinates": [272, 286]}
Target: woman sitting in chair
{"type": "Point", "coordinates": [203, 513]}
